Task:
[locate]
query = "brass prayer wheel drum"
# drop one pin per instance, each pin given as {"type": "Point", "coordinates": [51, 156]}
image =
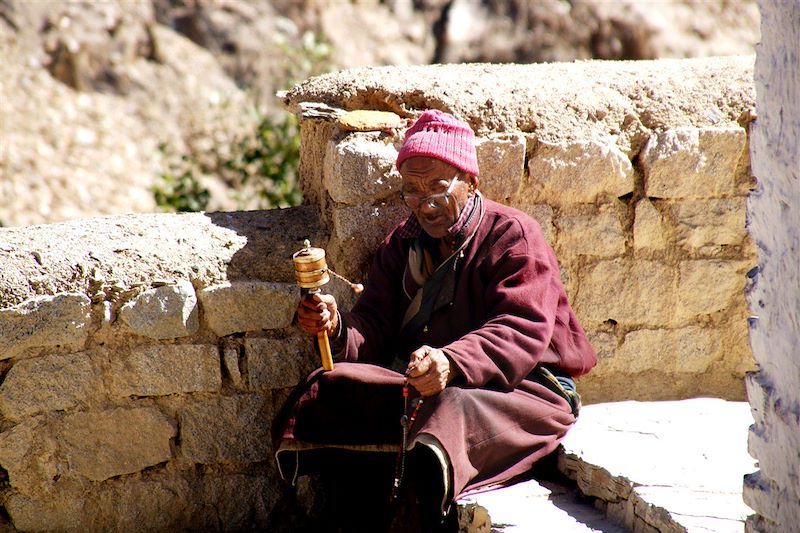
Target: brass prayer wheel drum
{"type": "Point", "coordinates": [310, 269]}
{"type": "Point", "coordinates": [311, 273]}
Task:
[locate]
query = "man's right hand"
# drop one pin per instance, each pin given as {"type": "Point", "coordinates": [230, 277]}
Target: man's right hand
{"type": "Point", "coordinates": [317, 312]}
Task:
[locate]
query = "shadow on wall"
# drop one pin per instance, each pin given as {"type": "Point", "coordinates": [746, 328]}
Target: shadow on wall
{"type": "Point", "coordinates": [272, 237]}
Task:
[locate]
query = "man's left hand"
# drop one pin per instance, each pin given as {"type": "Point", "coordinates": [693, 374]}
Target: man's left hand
{"type": "Point", "coordinates": [429, 370]}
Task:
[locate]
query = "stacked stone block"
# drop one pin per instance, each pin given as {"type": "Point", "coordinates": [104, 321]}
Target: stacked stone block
{"type": "Point", "coordinates": [671, 305]}
{"type": "Point", "coordinates": [80, 425]}
{"type": "Point", "coordinates": [149, 407]}
{"type": "Point", "coordinates": [652, 241]}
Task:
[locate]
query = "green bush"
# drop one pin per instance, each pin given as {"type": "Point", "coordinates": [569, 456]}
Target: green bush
{"type": "Point", "coordinates": [181, 193]}
{"type": "Point", "coordinates": [267, 164]}
{"type": "Point", "coordinates": [263, 165]}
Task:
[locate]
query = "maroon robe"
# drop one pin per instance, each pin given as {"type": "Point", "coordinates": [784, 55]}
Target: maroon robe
{"type": "Point", "coordinates": [501, 311]}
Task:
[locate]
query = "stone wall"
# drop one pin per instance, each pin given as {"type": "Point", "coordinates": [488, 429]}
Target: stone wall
{"type": "Point", "coordinates": [144, 357]}
{"type": "Point", "coordinates": [638, 173]}
{"type": "Point", "coordinates": [774, 215]}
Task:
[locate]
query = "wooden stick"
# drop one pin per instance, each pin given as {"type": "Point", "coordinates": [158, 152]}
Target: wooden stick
{"type": "Point", "coordinates": [325, 350]}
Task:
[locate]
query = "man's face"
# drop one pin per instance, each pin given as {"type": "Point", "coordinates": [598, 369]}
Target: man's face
{"type": "Point", "coordinates": [431, 193]}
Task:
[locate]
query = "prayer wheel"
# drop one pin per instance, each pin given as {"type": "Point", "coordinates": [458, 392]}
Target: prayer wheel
{"type": "Point", "coordinates": [311, 273]}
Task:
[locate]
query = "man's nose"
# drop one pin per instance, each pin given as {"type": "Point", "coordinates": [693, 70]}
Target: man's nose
{"type": "Point", "coordinates": [428, 207]}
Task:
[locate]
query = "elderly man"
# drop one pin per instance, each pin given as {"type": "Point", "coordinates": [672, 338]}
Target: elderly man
{"type": "Point", "coordinates": [464, 332]}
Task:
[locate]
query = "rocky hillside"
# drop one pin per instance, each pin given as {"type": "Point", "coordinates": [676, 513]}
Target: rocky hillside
{"type": "Point", "coordinates": [99, 100]}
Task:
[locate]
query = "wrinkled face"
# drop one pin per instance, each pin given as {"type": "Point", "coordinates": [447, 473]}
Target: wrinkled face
{"type": "Point", "coordinates": [432, 193]}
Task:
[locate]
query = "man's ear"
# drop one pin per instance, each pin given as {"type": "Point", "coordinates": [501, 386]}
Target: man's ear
{"type": "Point", "coordinates": [474, 181]}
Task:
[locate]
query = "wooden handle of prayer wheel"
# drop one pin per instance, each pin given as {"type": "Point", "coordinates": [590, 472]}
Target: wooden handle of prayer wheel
{"type": "Point", "coordinates": [325, 351]}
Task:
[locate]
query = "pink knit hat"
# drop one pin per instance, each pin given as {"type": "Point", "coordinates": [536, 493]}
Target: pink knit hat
{"type": "Point", "coordinates": [441, 135]}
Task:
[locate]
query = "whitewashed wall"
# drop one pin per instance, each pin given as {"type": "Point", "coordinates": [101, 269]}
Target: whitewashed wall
{"type": "Point", "coordinates": [774, 213]}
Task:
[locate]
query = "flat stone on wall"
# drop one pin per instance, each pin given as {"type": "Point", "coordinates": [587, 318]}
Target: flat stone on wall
{"type": "Point", "coordinates": [693, 162]}
{"type": "Point", "coordinates": [578, 172]}
{"type": "Point", "coordinates": [592, 231]}
{"type": "Point", "coordinates": [226, 430]}
{"type": "Point", "coordinates": [707, 287]}
{"type": "Point", "coordinates": [543, 214]}
{"type": "Point", "coordinates": [279, 363]}
{"type": "Point", "coordinates": [49, 383]}
{"type": "Point", "coordinates": [230, 359]}
{"type": "Point", "coordinates": [163, 313]}
{"type": "Point", "coordinates": [59, 513]}
{"type": "Point", "coordinates": [357, 230]}
{"type": "Point", "coordinates": [28, 453]}
{"type": "Point", "coordinates": [709, 227]}
{"type": "Point", "coordinates": [99, 445]}
{"type": "Point", "coordinates": [164, 504]}
{"type": "Point", "coordinates": [161, 370]}
{"type": "Point", "coordinates": [242, 502]}
{"type": "Point", "coordinates": [501, 161]}
{"type": "Point", "coordinates": [648, 228]}
{"type": "Point", "coordinates": [249, 306]}
{"type": "Point", "coordinates": [625, 291]}
{"type": "Point", "coordinates": [688, 350]}
{"type": "Point", "coordinates": [359, 169]}
{"type": "Point", "coordinates": [58, 320]}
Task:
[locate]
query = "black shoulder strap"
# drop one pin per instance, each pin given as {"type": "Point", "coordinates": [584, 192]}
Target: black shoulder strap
{"type": "Point", "coordinates": [437, 291]}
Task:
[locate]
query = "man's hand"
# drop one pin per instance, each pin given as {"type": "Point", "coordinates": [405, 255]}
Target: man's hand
{"type": "Point", "coordinates": [317, 312]}
{"type": "Point", "coordinates": [429, 370]}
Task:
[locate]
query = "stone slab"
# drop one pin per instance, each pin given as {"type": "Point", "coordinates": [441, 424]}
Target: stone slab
{"type": "Point", "coordinates": [652, 466]}
{"type": "Point", "coordinates": [162, 370]}
{"type": "Point", "coordinates": [164, 312]}
{"type": "Point", "coordinates": [359, 169]}
{"type": "Point", "coordinates": [227, 429]}
{"type": "Point", "coordinates": [648, 228]}
{"type": "Point", "coordinates": [356, 231]}
{"type": "Point", "coordinates": [49, 383]}
{"type": "Point", "coordinates": [279, 363]}
{"type": "Point", "coordinates": [706, 228]}
{"type": "Point", "coordinates": [532, 506]}
{"type": "Point", "coordinates": [591, 231]}
{"type": "Point", "coordinates": [628, 292]}
{"type": "Point", "coordinates": [501, 160]}
{"type": "Point", "coordinates": [59, 320]}
{"type": "Point", "coordinates": [693, 162]}
{"type": "Point", "coordinates": [100, 445]}
{"type": "Point", "coordinates": [59, 513]}
{"type": "Point", "coordinates": [249, 306]}
{"type": "Point", "coordinates": [28, 455]}
{"type": "Point", "coordinates": [578, 172]}
{"type": "Point", "coordinates": [674, 466]}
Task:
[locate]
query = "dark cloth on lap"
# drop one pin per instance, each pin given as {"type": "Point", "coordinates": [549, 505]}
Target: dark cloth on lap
{"type": "Point", "coordinates": [489, 436]}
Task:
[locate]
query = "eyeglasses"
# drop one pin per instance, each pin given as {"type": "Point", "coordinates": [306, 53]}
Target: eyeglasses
{"type": "Point", "coordinates": [432, 201]}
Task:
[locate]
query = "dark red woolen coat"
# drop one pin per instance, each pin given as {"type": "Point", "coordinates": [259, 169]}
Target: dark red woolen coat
{"type": "Point", "coordinates": [506, 313]}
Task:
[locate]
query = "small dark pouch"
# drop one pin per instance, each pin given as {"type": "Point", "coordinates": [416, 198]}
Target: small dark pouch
{"type": "Point", "coordinates": [560, 384]}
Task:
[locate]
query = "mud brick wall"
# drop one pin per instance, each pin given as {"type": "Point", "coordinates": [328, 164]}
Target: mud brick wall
{"type": "Point", "coordinates": [143, 358]}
